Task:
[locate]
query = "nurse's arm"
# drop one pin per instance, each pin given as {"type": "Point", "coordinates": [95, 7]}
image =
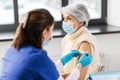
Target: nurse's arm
{"type": "Point", "coordinates": [75, 74]}
{"type": "Point", "coordinates": [59, 65]}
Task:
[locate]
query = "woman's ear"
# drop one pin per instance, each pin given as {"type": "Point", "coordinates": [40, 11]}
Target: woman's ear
{"type": "Point", "coordinates": [81, 23]}
{"type": "Point", "coordinates": [44, 34]}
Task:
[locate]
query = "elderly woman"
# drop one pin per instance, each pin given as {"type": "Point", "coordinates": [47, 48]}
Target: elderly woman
{"type": "Point", "coordinates": [75, 24]}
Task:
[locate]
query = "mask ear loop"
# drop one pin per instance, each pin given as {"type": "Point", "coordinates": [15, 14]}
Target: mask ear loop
{"type": "Point", "coordinates": [25, 20]}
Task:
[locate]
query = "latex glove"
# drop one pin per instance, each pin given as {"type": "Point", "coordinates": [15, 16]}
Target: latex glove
{"type": "Point", "coordinates": [85, 59]}
{"type": "Point", "coordinates": [73, 53]}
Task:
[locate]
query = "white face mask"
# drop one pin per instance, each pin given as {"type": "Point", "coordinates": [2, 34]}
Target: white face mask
{"type": "Point", "coordinates": [68, 27]}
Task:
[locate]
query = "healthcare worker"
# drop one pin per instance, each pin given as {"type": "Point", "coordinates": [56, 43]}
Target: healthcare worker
{"type": "Point", "coordinates": [26, 59]}
{"type": "Point", "coordinates": [75, 24]}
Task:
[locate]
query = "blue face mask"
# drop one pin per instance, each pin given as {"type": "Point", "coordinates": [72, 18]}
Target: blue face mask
{"type": "Point", "coordinates": [68, 27]}
{"type": "Point", "coordinates": [46, 42]}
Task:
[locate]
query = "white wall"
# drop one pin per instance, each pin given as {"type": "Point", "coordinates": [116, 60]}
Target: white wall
{"type": "Point", "coordinates": [114, 12]}
{"type": "Point", "coordinates": [109, 46]}
{"type": "Point", "coordinates": [54, 48]}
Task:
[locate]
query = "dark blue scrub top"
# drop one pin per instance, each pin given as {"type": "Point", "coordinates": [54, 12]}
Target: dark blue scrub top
{"type": "Point", "coordinates": [29, 63]}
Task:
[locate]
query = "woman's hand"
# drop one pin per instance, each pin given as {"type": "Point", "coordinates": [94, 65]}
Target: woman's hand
{"type": "Point", "coordinates": [64, 75]}
{"type": "Point", "coordinates": [85, 59]}
{"type": "Point", "coordinates": [73, 53]}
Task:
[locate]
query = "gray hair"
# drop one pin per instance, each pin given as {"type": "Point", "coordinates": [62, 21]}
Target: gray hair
{"type": "Point", "coordinates": [79, 11]}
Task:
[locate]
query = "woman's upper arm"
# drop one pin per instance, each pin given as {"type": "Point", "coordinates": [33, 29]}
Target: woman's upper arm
{"type": "Point", "coordinates": [85, 46]}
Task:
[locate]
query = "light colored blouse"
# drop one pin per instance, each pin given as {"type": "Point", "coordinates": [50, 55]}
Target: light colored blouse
{"type": "Point", "coordinates": [73, 41]}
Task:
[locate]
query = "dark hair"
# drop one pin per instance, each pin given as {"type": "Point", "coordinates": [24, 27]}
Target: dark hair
{"type": "Point", "coordinates": [31, 33]}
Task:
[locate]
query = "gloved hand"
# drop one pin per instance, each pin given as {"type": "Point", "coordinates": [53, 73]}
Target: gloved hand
{"type": "Point", "coordinates": [85, 59]}
{"type": "Point", "coordinates": [70, 55]}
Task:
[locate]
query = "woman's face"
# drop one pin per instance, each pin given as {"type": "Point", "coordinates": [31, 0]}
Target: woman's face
{"type": "Point", "coordinates": [50, 31]}
{"type": "Point", "coordinates": [70, 18]}
{"type": "Point", "coordinates": [47, 33]}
